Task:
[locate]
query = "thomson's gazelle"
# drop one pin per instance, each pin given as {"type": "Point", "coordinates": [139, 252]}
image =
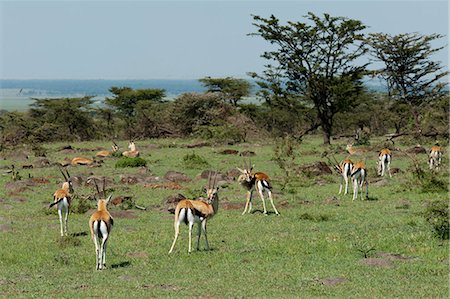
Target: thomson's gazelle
{"type": "Point", "coordinates": [259, 181]}
{"type": "Point", "coordinates": [384, 162]}
{"type": "Point", "coordinates": [359, 176]}
{"type": "Point", "coordinates": [435, 157]}
{"type": "Point", "coordinates": [197, 211]}
{"type": "Point", "coordinates": [100, 225]}
{"type": "Point", "coordinates": [62, 198]}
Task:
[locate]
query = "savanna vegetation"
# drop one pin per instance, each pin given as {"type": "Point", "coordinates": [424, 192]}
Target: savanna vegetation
{"type": "Point", "coordinates": [312, 104]}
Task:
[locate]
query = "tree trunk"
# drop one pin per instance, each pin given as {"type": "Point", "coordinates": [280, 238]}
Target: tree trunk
{"type": "Point", "coordinates": [327, 126]}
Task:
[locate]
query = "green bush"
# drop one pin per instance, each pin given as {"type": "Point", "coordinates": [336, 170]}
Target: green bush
{"type": "Point", "coordinates": [437, 214]}
{"type": "Point", "coordinates": [193, 161]}
{"type": "Point", "coordinates": [130, 162]}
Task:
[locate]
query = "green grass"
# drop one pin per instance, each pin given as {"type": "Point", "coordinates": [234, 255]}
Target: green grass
{"type": "Point", "coordinates": [315, 240]}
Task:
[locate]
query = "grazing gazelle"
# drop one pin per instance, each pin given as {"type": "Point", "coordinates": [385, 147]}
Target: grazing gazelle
{"type": "Point", "coordinates": [359, 176]}
{"type": "Point", "coordinates": [435, 157]}
{"type": "Point", "coordinates": [259, 181]}
{"type": "Point", "coordinates": [100, 224]}
{"type": "Point", "coordinates": [384, 162]}
{"type": "Point", "coordinates": [62, 198]}
{"type": "Point", "coordinates": [197, 211]}
{"type": "Point", "coordinates": [103, 154]}
{"type": "Point", "coordinates": [133, 152]}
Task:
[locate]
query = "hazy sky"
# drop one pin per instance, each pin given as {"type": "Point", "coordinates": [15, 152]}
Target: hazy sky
{"type": "Point", "coordinates": [174, 39]}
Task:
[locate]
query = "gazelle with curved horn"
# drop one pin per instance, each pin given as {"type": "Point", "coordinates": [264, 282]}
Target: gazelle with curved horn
{"type": "Point", "coordinates": [100, 225]}
{"type": "Point", "coordinates": [384, 162]}
{"type": "Point", "coordinates": [133, 152]}
{"type": "Point", "coordinates": [197, 211]}
{"type": "Point", "coordinates": [435, 157]}
{"type": "Point", "coordinates": [251, 181]}
{"type": "Point", "coordinates": [103, 154]}
{"type": "Point", "coordinates": [359, 176]}
{"type": "Point", "coordinates": [344, 169]}
{"type": "Point", "coordinates": [62, 198]}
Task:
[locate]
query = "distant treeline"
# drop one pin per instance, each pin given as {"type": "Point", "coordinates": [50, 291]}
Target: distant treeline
{"type": "Point", "coordinates": [216, 115]}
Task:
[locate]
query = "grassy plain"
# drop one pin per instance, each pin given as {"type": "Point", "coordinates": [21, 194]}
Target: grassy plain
{"type": "Point", "coordinates": [322, 245]}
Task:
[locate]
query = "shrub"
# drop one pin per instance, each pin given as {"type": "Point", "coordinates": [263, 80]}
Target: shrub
{"type": "Point", "coordinates": [437, 214]}
{"type": "Point", "coordinates": [193, 161]}
{"type": "Point", "coordinates": [130, 162]}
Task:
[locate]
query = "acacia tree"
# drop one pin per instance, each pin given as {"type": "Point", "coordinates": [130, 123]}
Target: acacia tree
{"type": "Point", "coordinates": [411, 76]}
{"type": "Point", "coordinates": [315, 62]}
{"type": "Point", "coordinates": [231, 89]}
{"type": "Point", "coordinates": [126, 101]}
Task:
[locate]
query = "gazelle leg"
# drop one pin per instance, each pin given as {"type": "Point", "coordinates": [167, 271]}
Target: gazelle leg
{"type": "Point", "coordinates": [97, 252]}
{"type": "Point", "coordinates": [191, 224]}
{"type": "Point", "coordinates": [61, 220]}
{"type": "Point", "coordinates": [271, 201]}
{"type": "Point", "coordinates": [204, 232]}
{"type": "Point", "coordinates": [104, 251]}
{"type": "Point", "coordinates": [198, 236]}
{"type": "Point", "coordinates": [340, 186]}
{"type": "Point", "coordinates": [262, 198]}
{"type": "Point", "coordinates": [247, 202]}
{"type": "Point", "coordinates": [66, 220]}
{"type": "Point", "coordinates": [355, 188]}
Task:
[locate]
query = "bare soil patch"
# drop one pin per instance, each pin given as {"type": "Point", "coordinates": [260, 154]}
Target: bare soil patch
{"type": "Point", "coordinates": [378, 262]}
{"type": "Point", "coordinates": [332, 281]}
{"type": "Point", "coordinates": [123, 214]}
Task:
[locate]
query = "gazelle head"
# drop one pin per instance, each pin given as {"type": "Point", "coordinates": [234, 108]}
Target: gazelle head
{"type": "Point", "coordinates": [67, 185]}
{"type": "Point", "coordinates": [212, 189]}
{"type": "Point", "coordinates": [103, 201]}
{"type": "Point", "coordinates": [131, 145]}
{"type": "Point", "coordinates": [246, 172]}
{"type": "Point", "coordinates": [114, 147]}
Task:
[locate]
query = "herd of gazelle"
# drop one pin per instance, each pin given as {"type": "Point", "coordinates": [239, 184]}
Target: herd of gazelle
{"type": "Point", "coordinates": [201, 210]}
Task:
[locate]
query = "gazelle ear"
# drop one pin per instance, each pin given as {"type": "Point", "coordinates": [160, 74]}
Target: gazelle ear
{"type": "Point", "coordinates": [109, 198]}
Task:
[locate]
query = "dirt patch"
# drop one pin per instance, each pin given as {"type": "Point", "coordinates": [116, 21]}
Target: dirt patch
{"type": "Point", "coordinates": [167, 185]}
{"type": "Point", "coordinates": [138, 254]}
{"type": "Point", "coordinates": [229, 152]}
{"type": "Point", "coordinates": [247, 154]}
{"type": "Point", "coordinates": [395, 256]}
{"type": "Point", "coordinates": [198, 144]}
{"type": "Point", "coordinates": [162, 286]}
{"type": "Point", "coordinates": [5, 228]}
{"type": "Point", "coordinates": [332, 281]}
{"type": "Point", "coordinates": [418, 149]}
{"type": "Point", "coordinates": [175, 176]}
{"type": "Point", "coordinates": [231, 206]}
{"type": "Point", "coordinates": [315, 169]}
{"type": "Point", "coordinates": [123, 214]}
{"type": "Point", "coordinates": [377, 262]}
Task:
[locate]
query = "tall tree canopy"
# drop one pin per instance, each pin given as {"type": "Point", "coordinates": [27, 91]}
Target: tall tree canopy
{"type": "Point", "coordinates": [411, 75]}
{"type": "Point", "coordinates": [230, 89]}
{"type": "Point", "coordinates": [315, 61]}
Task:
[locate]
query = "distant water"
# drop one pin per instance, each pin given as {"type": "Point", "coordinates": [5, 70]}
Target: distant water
{"type": "Point", "coordinates": [18, 94]}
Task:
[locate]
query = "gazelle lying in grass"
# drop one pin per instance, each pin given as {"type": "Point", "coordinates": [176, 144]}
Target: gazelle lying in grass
{"type": "Point", "coordinates": [384, 162]}
{"type": "Point", "coordinates": [62, 198]}
{"type": "Point", "coordinates": [435, 157]}
{"type": "Point", "coordinates": [133, 152]}
{"type": "Point", "coordinates": [103, 154]}
{"type": "Point", "coordinates": [354, 151]}
{"type": "Point", "coordinates": [100, 225]}
{"type": "Point", "coordinates": [82, 161]}
{"type": "Point", "coordinates": [259, 181]}
{"type": "Point", "coordinates": [197, 211]}
{"type": "Point", "coordinates": [359, 176]}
